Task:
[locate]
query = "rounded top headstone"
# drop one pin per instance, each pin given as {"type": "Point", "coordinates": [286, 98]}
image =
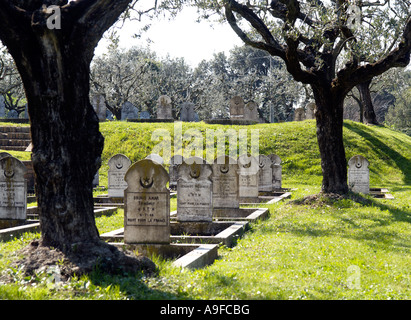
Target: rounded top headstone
{"type": "Point", "coordinates": [119, 162]}
{"type": "Point", "coordinates": [248, 164]}
{"type": "Point", "coordinates": [155, 157]}
{"type": "Point", "coordinates": [146, 175]}
{"type": "Point", "coordinates": [358, 162]}
{"type": "Point", "coordinates": [275, 159]}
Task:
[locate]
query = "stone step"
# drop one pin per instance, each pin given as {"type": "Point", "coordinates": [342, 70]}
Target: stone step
{"type": "Point", "coordinates": [14, 142]}
{"type": "Point", "coordinates": [15, 135]}
{"type": "Point", "coordinates": [13, 148]}
{"type": "Point", "coordinates": [5, 129]}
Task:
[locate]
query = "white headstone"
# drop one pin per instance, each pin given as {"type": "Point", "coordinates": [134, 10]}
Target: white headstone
{"type": "Point", "coordinates": [237, 108]}
{"type": "Point", "coordinates": [359, 174]}
{"type": "Point", "coordinates": [248, 167]}
{"type": "Point", "coordinates": [194, 192]}
{"type": "Point", "coordinates": [146, 204]}
{"type": "Point", "coordinates": [164, 108]}
{"type": "Point", "coordinates": [251, 111]}
{"type": "Point", "coordinates": [277, 170]}
{"type": "Point", "coordinates": [225, 183]}
{"type": "Point", "coordinates": [299, 114]}
{"type": "Point", "coordinates": [310, 111]}
{"type": "Point", "coordinates": [118, 166]}
{"type": "Point", "coordinates": [156, 158]}
{"type": "Point", "coordinates": [13, 189]}
{"type": "Point", "coordinates": [265, 176]}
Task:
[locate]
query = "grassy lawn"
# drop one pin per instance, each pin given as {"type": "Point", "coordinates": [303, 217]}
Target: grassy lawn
{"type": "Point", "coordinates": [356, 248]}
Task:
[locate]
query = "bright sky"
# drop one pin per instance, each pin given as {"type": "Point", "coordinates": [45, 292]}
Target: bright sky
{"type": "Point", "coordinates": [181, 37]}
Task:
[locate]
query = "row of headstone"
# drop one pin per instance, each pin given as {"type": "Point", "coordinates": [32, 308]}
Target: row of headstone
{"type": "Point", "coordinates": [201, 187]}
{"type": "Point", "coordinates": [268, 167]}
{"type": "Point", "coordinates": [241, 111]}
{"type": "Point", "coordinates": [301, 114]}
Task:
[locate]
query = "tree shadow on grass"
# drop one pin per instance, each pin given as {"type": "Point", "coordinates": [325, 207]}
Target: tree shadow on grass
{"type": "Point", "coordinates": [372, 228]}
{"type": "Point", "coordinates": [383, 150]}
{"type": "Point", "coordinates": [133, 286]}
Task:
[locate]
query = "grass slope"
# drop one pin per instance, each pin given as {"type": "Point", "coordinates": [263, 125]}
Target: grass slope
{"type": "Point", "coordinates": [357, 248]}
{"type": "Point", "coordinates": [388, 151]}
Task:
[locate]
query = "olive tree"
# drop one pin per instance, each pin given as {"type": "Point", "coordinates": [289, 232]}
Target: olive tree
{"type": "Point", "coordinates": [323, 44]}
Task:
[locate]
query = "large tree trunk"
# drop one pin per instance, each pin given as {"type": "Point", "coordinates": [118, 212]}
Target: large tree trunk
{"type": "Point", "coordinates": [67, 144]}
{"type": "Point", "coordinates": [366, 101]}
{"type": "Point", "coordinates": [329, 116]}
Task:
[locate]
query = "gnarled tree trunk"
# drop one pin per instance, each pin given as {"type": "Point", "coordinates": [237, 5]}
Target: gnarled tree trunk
{"type": "Point", "coordinates": [329, 119]}
{"type": "Point", "coordinates": [67, 145]}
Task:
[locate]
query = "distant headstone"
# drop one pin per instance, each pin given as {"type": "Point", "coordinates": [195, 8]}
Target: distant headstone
{"type": "Point", "coordinates": [2, 107]}
{"type": "Point", "coordinates": [277, 170]}
{"type": "Point", "coordinates": [118, 166]}
{"type": "Point", "coordinates": [164, 108]}
{"type": "Point", "coordinates": [248, 167]}
{"type": "Point", "coordinates": [156, 158]}
{"type": "Point", "coordinates": [194, 192]}
{"type": "Point", "coordinates": [146, 204]}
{"type": "Point", "coordinates": [13, 189]}
{"type": "Point", "coordinates": [145, 115]}
{"type": "Point", "coordinates": [359, 174]}
{"type": "Point", "coordinates": [265, 175]}
{"type": "Point", "coordinates": [12, 114]}
{"type": "Point", "coordinates": [225, 183]}
{"type": "Point", "coordinates": [175, 161]}
{"type": "Point", "coordinates": [237, 108]}
{"type": "Point", "coordinates": [299, 114]}
{"type": "Point", "coordinates": [187, 112]}
{"type": "Point", "coordinates": [196, 117]}
{"type": "Point", "coordinates": [99, 106]}
{"type": "Point", "coordinates": [26, 112]}
{"type": "Point", "coordinates": [128, 111]}
{"type": "Point", "coordinates": [96, 180]}
{"type": "Point", "coordinates": [310, 111]}
{"type": "Point", "coordinates": [109, 115]}
{"type": "Point", "coordinates": [251, 111]}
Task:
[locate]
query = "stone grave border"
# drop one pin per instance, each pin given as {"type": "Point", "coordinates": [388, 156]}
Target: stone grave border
{"type": "Point", "coordinates": [150, 120]}
{"type": "Point", "coordinates": [231, 122]}
{"type": "Point", "coordinates": [32, 224]}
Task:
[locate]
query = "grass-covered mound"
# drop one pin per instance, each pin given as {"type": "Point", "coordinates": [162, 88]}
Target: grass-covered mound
{"type": "Point", "coordinates": [388, 151]}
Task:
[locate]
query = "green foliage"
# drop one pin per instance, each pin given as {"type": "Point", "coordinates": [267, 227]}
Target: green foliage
{"type": "Point", "coordinates": [399, 116]}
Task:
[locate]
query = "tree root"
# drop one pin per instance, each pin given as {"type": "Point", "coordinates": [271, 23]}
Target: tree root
{"type": "Point", "coordinates": [82, 259]}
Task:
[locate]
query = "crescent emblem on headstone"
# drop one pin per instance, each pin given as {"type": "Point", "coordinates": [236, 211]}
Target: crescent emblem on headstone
{"type": "Point", "coordinates": [146, 182]}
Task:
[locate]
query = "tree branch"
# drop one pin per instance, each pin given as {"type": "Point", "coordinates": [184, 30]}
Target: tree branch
{"type": "Point", "coordinates": [399, 57]}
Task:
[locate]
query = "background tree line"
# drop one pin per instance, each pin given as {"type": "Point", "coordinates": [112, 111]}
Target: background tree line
{"type": "Point", "coordinates": [139, 76]}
